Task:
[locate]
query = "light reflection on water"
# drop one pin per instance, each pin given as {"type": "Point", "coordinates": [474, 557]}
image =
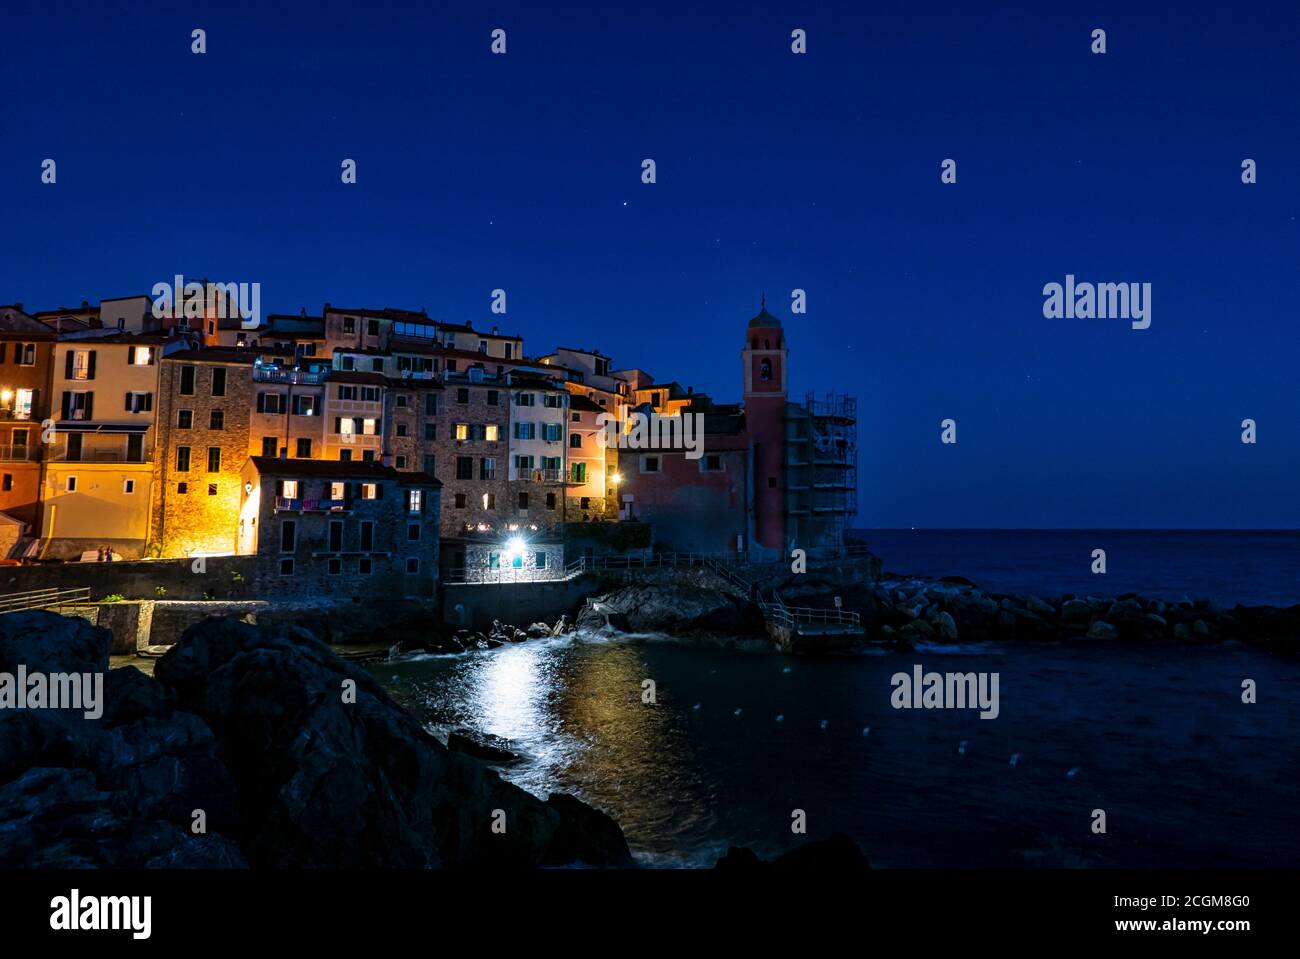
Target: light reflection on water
{"type": "Point", "coordinates": [574, 711]}
{"type": "Point", "coordinates": [1189, 776]}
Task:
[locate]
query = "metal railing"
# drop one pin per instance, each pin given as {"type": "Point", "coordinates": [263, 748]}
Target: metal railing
{"type": "Point", "coordinates": [290, 377]}
{"type": "Point", "coordinates": [793, 617]}
{"type": "Point", "coordinates": [19, 454]}
{"type": "Point", "coordinates": [43, 599]}
{"type": "Point", "coordinates": [59, 454]}
{"type": "Point", "coordinates": [722, 559]}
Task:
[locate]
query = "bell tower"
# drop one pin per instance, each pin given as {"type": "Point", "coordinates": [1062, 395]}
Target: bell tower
{"type": "Point", "coordinates": [764, 358]}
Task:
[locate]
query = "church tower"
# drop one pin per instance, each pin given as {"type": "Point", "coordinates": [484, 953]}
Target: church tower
{"type": "Point", "coordinates": [764, 359]}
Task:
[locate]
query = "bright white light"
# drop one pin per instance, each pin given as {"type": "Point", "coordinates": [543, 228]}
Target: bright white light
{"type": "Point", "coordinates": [515, 545]}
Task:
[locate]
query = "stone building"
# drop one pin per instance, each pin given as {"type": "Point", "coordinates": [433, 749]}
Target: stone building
{"type": "Point", "coordinates": [471, 452]}
{"type": "Point", "coordinates": [345, 529]}
{"type": "Point", "coordinates": [206, 402]}
{"type": "Point", "coordinates": [411, 423]}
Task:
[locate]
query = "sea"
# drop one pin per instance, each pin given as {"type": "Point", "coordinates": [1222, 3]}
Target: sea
{"type": "Point", "coordinates": [742, 745]}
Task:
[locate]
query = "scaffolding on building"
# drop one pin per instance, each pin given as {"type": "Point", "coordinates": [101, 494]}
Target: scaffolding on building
{"type": "Point", "coordinates": [822, 469]}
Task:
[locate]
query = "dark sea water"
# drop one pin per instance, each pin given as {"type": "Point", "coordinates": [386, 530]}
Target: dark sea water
{"type": "Point", "coordinates": [1227, 566]}
{"type": "Point", "coordinates": [1156, 736]}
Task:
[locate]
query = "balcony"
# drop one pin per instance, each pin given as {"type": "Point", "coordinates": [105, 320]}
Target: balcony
{"type": "Point", "coordinates": [287, 504]}
{"type": "Point", "coordinates": [20, 454]}
{"type": "Point", "coordinates": [97, 455]}
{"type": "Point", "coordinates": [262, 374]}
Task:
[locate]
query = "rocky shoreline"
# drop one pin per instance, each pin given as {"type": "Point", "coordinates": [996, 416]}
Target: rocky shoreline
{"type": "Point", "coordinates": [907, 610]}
{"type": "Point", "coordinates": [255, 746]}
{"type": "Point", "coordinates": [902, 611]}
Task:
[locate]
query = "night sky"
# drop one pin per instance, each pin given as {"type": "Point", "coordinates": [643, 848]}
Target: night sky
{"type": "Point", "coordinates": [775, 171]}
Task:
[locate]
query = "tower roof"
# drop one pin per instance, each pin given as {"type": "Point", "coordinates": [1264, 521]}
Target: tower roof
{"type": "Point", "coordinates": [765, 318]}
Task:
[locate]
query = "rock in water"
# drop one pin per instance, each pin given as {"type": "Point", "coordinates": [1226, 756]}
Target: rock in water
{"type": "Point", "coordinates": [838, 853]}
{"type": "Point", "coordinates": [673, 608]}
{"type": "Point", "coordinates": [491, 749]}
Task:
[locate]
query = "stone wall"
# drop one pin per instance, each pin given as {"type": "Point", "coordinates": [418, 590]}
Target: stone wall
{"type": "Point", "coordinates": [181, 578]}
{"type": "Point", "coordinates": [476, 606]}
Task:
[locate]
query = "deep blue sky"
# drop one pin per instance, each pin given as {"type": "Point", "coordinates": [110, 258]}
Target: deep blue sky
{"type": "Point", "coordinates": [776, 171]}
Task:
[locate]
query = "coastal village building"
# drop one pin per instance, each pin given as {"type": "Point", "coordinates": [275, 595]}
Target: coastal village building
{"type": "Point", "coordinates": [340, 528]}
{"type": "Point", "coordinates": [354, 416]}
{"type": "Point", "coordinates": [591, 462]}
{"type": "Point", "coordinates": [99, 471]}
{"type": "Point", "coordinates": [696, 505]}
{"type": "Point", "coordinates": [471, 456]}
{"type": "Point", "coordinates": [411, 422]}
{"type": "Point", "coordinates": [463, 338]}
{"type": "Point", "coordinates": [204, 425]}
{"type": "Point", "coordinates": [538, 449]}
{"type": "Point", "coordinates": [288, 406]}
{"type": "Point", "coordinates": [26, 367]}
{"type": "Point", "coordinates": [774, 475]}
{"type": "Point", "coordinates": [166, 425]}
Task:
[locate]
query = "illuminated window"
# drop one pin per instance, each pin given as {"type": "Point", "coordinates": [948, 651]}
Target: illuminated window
{"type": "Point", "coordinates": [290, 489]}
{"type": "Point", "coordinates": [368, 427]}
{"type": "Point", "coordinates": [462, 431]}
{"type": "Point", "coordinates": [369, 490]}
{"type": "Point", "coordinates": [414, 501]}
{"type": "Point", "coordinates": [337, 491]}
{"type": "Point", "coordinates": [491, 432]}
{"type": "Point", "coordinates": [142, 356]}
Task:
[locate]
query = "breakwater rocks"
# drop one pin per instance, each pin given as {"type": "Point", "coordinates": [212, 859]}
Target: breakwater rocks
{"type": "Point", "coordinates": [254, 746]}
{"type": "Point", "coordinates": [953, 609]}
{"type": "Point", "coordinates": [463, 640]}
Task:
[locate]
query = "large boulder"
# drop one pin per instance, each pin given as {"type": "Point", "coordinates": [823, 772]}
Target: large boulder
{"type": "Point", "coordinates": [116, 790]}
{"type": "Point", "coordinates": [673, 608]}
